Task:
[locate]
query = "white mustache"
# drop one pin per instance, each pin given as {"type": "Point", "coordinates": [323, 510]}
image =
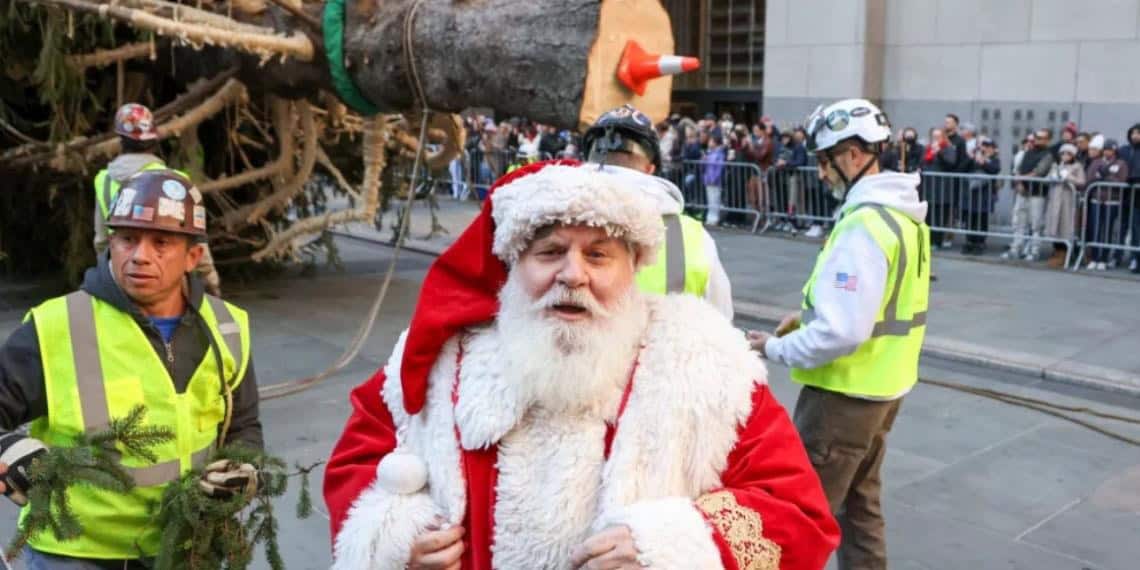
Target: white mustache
{"type": "Point", "coordinates": [562, 295]}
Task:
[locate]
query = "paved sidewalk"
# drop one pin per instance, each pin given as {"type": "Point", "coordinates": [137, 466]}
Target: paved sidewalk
{"type": "Point", "coordinates": [1078, 328]}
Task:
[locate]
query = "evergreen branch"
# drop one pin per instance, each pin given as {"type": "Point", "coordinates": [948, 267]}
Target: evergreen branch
{"type": "Point", "coordinates": [204, 533]}
{"type": "Point", "coordinates": [91, 461]}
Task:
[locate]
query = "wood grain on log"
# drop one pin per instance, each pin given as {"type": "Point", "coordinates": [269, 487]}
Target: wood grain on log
{"type": "Point", "coordinates": [553, 61]}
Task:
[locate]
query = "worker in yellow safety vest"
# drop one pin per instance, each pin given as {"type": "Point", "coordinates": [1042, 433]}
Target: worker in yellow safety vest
{"type": "Point", "coordinates": [140, 331]}
{"type": "Point", "coordinates": [138, 140]}
{"type": "Point", "coordinates": [624, 142]}
{"type": "Point", "coordinates": [855, 343]}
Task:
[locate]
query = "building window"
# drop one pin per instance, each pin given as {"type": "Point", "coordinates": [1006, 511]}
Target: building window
{"type": "Point", "coordinates": [728, 36]}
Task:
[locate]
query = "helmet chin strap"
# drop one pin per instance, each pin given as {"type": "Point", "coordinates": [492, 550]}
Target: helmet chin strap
{"type": "Point", "coordinates": [849, 183]}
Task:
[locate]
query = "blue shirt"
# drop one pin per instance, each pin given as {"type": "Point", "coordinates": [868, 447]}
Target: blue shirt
{"type": "Point", "coordinates": [166, 326]}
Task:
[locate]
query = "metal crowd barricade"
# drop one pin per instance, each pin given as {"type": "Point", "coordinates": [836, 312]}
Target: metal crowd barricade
{"type": "Point", "coordinates": [1110, 214]}
{"type": "Point", "coordinates": [795, 196]}
{"type": "Point", "coordinates": [477, 170]}
{"type": "Point", "coordinates": [962, 204]}
{"type": "Point", "coordinates": [1014, 208]}
{"type": "Point", "coordinates": [739, 187]}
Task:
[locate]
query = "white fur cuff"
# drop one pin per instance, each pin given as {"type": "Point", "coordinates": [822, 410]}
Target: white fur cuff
{"type": "Point", "coordinates": [380, 529]}
{"type": "Point", "coordinates": [670, 533]}
{"type": "Point", "coordinates": [577, 195]}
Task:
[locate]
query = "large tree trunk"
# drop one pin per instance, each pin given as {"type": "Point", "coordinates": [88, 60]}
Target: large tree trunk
{"type": "Point", "coordinates": [553, 61]}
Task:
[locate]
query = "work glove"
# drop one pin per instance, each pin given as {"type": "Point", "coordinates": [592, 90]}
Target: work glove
{"type": "Point", "coordinates": [17, 452]}
{"type": "Point", "coordinates": [224, 479]}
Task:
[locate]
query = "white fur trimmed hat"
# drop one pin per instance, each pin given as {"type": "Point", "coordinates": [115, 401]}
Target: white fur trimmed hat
{"type": "Point", "coordinates": [573, 195]}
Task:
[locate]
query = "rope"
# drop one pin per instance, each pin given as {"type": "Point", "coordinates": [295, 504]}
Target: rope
{"type": "Point", "coordinates": [1045, 407]}
{"type": "Point", "coordinates": [410, 60]}
{"type": "Point", "coordinates": [294, 386]}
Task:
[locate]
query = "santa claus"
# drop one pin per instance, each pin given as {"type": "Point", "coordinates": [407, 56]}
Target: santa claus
{"type": "Point", "coordinates": [541, 412]}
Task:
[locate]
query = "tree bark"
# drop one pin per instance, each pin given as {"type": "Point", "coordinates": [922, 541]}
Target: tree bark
{"type": "Point", "coordinates": [525, 58]}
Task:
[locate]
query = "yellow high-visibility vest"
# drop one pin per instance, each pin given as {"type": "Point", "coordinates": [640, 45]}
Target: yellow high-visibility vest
{"type": "Point", "coordinates": [886, 364]}
{"type": "Point", "coordinates": [682, 264]}
{"type": "Point", "coordinates": [98, 365]}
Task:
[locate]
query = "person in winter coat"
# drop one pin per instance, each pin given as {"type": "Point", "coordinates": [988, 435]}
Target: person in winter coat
{"type": "Point", "coordinates": [691, 155]}
{"type": "Point", "coordinates": [1104, 204]}
{"type": "Point", "coordinates": [940, 156]}
{"type": "Point", "coordinates": [892, 158]}
{"type": "Point", "coordinates": [1029, 202]}
{"type": "Point", "coordinates": [1130, 154]}
{"type": "Point", "coordinates": [1061, 212]}
{"type": "Point", "coordinates": [713, 178]}
{"type": "Point", "coordinates": [977, 201]}
{"type": "Point", "coordinates": [549, 143]}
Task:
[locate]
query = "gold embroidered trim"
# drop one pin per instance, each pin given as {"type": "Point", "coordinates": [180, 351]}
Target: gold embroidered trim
{"type": "Point", "coordinates": [742, 529]}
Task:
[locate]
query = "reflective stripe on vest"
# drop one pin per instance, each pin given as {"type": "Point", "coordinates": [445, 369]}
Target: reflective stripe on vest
{"type": "Point", "coordinates": [682, 265]}
{"type": "Point", "coordinates": [674, 255]}
{"type": "Point", "coordinates": [885, 365]}
{"type": "Point", "coordinates": [93, 394]}
{"type": "Point", "coordinates": [98, 364]}
{"type": "Point", "coordinates": [890, 324]}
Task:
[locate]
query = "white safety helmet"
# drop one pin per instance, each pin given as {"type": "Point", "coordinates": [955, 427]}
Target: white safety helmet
{"type": "Point", "coordinates": [849, 118]}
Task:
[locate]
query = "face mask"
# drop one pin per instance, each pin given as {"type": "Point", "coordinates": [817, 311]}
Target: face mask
{"type": "Point", "coordinates": [839, 190]}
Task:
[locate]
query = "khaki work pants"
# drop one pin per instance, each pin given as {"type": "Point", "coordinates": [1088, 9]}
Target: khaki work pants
{"type": "Point", "coordinates": [845, 439]}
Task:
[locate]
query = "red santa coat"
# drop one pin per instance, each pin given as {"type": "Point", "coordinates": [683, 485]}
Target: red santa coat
{"type": "Point", "coordinates": [705, 467]}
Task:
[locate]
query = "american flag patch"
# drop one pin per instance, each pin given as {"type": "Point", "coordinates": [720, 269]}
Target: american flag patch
{"type": "Point", "coordinates": [846, 281]}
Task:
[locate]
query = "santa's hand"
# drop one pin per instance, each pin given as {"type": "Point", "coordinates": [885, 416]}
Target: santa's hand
{"type": "Point", "coordinates": [611, 549]}
{"type": "Point", "coordinates": [437, 550]}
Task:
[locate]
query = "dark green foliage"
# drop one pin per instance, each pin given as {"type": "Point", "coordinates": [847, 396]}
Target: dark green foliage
{"type": "Point", "coordinates": [204, 533]}
{"type": "Point", "coordinates": [92, 460]}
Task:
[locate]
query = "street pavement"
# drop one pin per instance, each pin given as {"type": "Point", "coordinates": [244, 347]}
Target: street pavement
{"type": "Point", "coordinates": [970, 483]}
{"type": "Point", "coordinates": [1074, 326]}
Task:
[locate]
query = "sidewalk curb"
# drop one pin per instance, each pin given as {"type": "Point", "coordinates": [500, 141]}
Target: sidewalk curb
{"type": "Point", "coordinates": [1024, 364]}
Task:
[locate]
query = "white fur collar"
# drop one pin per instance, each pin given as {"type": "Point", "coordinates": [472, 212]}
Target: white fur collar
{"type": "Point", "coordinates": [691, 393]}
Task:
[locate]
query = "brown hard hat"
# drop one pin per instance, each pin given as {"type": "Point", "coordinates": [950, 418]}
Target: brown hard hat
{"type": "Point", "coordinates": [161, 200]}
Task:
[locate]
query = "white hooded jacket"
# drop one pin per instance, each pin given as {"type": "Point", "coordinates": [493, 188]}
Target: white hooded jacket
{"type": "Point", "coordinates": [845, 318]}
{"type": "Point", "coordinates": [669, 200]}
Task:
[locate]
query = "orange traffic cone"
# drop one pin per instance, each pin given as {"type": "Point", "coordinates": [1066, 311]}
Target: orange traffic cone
{"type": "Point", "coordinates": [638, 66]}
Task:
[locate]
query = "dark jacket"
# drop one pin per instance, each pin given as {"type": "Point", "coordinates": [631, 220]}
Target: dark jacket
{"type": "Point", "coordinates": [1101, 170]}
{"type": "Point", "coordinates": [1036, 163]}
{"type": "Point", "coordinates": [981, 193]}
{"type": "Point", "coordinates": [550, 144]}
{"type": "Point", "coordinates": [891, 159]}
{"type": "Point", "coordinates": [798, 155]}
{"type": "Point", "coordinates": [1130, 154]}
{"type": "Point", "coordinates": [965, 161]}
{"type": "Point", "coordinates": [23, 396]}
{"type": "Point", "coordinates": [941, 190]}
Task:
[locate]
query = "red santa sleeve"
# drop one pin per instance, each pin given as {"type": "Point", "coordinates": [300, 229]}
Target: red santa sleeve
{"type": "Point", "coordinates": [772, 512]}
{"type": "Point", "coordinates": [369, 435]}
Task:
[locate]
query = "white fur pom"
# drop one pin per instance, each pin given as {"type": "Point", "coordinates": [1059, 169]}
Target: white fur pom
{"type": "Point", "coordinates": [401, 473]}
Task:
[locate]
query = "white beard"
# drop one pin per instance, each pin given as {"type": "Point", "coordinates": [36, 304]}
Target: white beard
{"type": "Point", "coordinates": [569, 367]}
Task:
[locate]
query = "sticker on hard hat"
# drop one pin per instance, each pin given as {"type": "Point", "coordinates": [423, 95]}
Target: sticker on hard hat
{"type": "Point", "coordinates": [199, 217]}
{"type": "Point", "coordinates": [143, 213]}
{"type": "Point", "coordinates": [171, 209]}
{"type": "Point", "coordinates": [126, 200]}
{"type": "Point", "coordinates": [860, 111]}
{"type": "Point", "coordinates": [174, 189]}
{"type": "Point", "coordinates": [195, 194]}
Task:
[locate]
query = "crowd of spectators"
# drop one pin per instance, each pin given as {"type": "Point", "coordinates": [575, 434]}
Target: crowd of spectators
{"type": "Point", "coordinates": [732, 170]}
